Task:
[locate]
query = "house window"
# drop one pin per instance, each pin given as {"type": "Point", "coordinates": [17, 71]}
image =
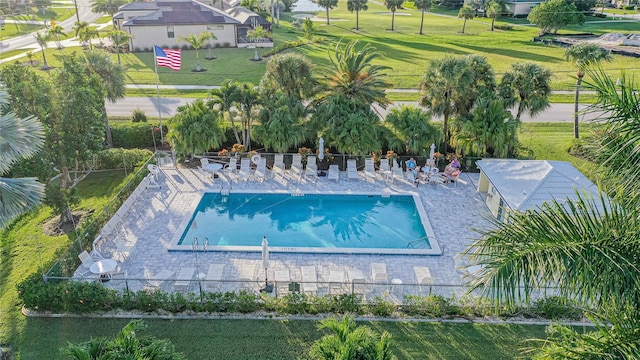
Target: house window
{"type": "Point", "coordinates": [170, 33]}
{"type": "Point", "coordinates": [215, 27]}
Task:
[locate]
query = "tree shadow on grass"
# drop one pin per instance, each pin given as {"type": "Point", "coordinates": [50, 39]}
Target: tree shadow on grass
{"type": "Point", "coordinates": [510, 52]}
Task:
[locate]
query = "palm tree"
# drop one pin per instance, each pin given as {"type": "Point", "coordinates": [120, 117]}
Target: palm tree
{"type": "Point", "coordinates": [466, 12]}
{"type": "Point", "coordinates": [224, 98]}
{"type": "Point", "coordinates": [353, 74]}
{"type": "Point", "coordinates": [55, 32]}
{"type": "Point", "coordinates": [584, 55]}
{"type": "Point", "coordinates": [119, 39]}
{"type": "Point", "coordinates": [247, 99]}
{"type": "Point", "coordinates": [586, 249]}
{"type": "Point", "coordinates": [494, 10]}
{"type": "Point", "coordinates": [30, 57]}
{"type": "Point", "coordinates": [347, 341]}
{"type": "Point", "coordinates": [357, 5]}
{"type": "Point", "coordinates": [113, 77]}
{"type": "Point", "coordinates": [20, 138]}
{"type": "Point", "coordinates": [393, 5]}
{"type": "Point", "coordinates": [79, 26]}
{"type": "Point", "coordinates": [282, 123]}
{"type": "Point", "coordinates": [412, 125]}
{"type": "Point", "coordinates": [444, 86]}
{"type": "Point", "coordinates": [257, 34]}
{"type": "Point", "coordinates": [327, 5]}
{"type": "Point", "coordinates": [85, 33]}
{"type": "Point", "coordinates": [290, 73]}
{"type": "Point", "coordinates": [196, 41]}
{"type": "Point", "coordinates": [107, 6]}
{"type": "Point", "coordinates": [196, 128]}
{"type": "Point", "coordinates": [422, 5]}
{"type": "Point", "coordinates": [42, 40]}
{"type": "Point", "coordinates": [528, 85]}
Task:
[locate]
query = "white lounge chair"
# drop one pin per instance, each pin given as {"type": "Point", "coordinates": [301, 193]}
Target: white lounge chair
{"type": "Point", "coordinates": [204, 161]}
{"type": "Point", "coordinates": [156, 281]}
{"type": "Point", "coordinates": [334, 173]}
{"type": "Point", "coordinates": [385, 171]}
{"type": "Point", "coordinates": [379, 273]}
{"type": "Point", "coordinates": [214, 276]}
{"type": "Point", "coordinates": [261, 169]}
{"type": "Point", "coordinates": [309, 280]}
{"type": "Point", "coordinates": [311, 171]}
{"type": "Point", "coordinates": [397, 172]}
{"type": "Point", "coordinates": [423, 276]}
{"type": "Point", "coordinates": [246, 276]}
{"type": "Point", "coordinates": [183, 279]}
{"type": "Point", "coordinates": [336, 282]}
{"type": "Point", "coordinates": [278, 164]}
{"type": "Point", "coordinates": [352, 170]}
{"type": "Point", "coordinates": [245, 169]}
{"type": "Point", "coordinates": [369, 169]}
{"type": "Point", "coordinates": [358, 282]}
{"type": "Point", "coordinates": [296, 165]}
{"type": "Point", "coordinates": [282, 280]}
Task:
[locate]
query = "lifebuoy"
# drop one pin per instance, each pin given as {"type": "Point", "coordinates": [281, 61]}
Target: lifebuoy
{"type": "Point", "coordinates": [255, 158]}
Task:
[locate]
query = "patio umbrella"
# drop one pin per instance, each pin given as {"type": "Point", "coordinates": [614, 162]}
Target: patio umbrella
{"type": "Point", "coordinates": [265, 259]}
{"type": "Point", "coordinates": [432, 154]}
{"type": "Point", "coordinates": [321, 149]}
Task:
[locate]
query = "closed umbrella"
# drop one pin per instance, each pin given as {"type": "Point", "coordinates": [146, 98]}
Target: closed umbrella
{"type": "Point", "coordinates": [431, 155]}
{"type": "Point", "coordinates": [265, 262]}
{"type": "Point", "coordinates": [321, 149]}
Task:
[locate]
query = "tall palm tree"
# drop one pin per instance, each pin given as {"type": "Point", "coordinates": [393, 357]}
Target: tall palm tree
{"type": "Point", "coordinates": [494, 10]}
{"type": "Point", "coordinates": [196, 128]}
{"type": "Point", "coordinates": [119, 39]}
{"type": "Point", "coordinates": [422, 5]}
{"type": "Point", "coordinates": [282, 123]}
{"type": "Point", "coordinates": [290, 73]}
{"type": "Point", "coordinates": [56, 31]}
{"type": "Point", "coordinates": [444, 87]}
{"type": "Point", "coordinates": [353, 74]}
{"type": "Point", "coordinates": [255, 35]}
{"type": "Point", "coordinates": [529, 86]}
{"type": "Point", "coordinates": [393, 5]}
{"type": "Point", "coordinates": [42, 39]}
{"type": "Point", "coordinates": [466, 12]}
{"type": "Point", "coordinates": [113, 77]}
{"type": "Point", "coordinates": [412, 125]}
{"type": "Point", "coordinates": [327, 5]}
{"type": "Point", "coordinates": [584, 55]}
{"type": "Point", "coordinates": [248, 100]}
{"type": "Point", "coordinates": [20, 138]}
{"type": "Point", "coordinates": [347, 341]}
{"type": "Point", "coordinates": [196, 42]}
{"type": "Point", "coordinates": [224, 99]}
{"type": "Point", "coordinates": [357, 6]}
{"type": "Point", "coordinates": [586, 249]}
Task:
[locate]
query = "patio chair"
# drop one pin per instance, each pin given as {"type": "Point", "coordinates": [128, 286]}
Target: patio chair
{"type": "Point", "coordinates": [204, 161]}
{"type": "Point", "coordinates": [311, 171]}
{"type": "Point", "coordinates": [334, 173]}
{"type": "Point", "coordinates": [183, 279]}
{"type": "Point", "coordinates": [336, 282]}
{"type": "Point", "coordinates": [423, 276]}
{"type": "Point", "coordinates": [282, 280]}
{"type": "Point", "coordinates": [352, 170]}
{"type": "Point", "coordinates": [384, 172]}
{"type": "Point", "coordinates": [156, 281]}
{"type": "Point", "coordinates": [296, 165]}
{"type": "Point", "coordinates": [397, 172]}
{"type": "Point", "coordinates": [214, 276]}
{"type": "Point", "coordinates": [358, 282]}
{"type": "Point", "coordinates": [309, 280]}
{"type": "Point", "coordinates": [246, 276]}
{"type": "Point", "coordinates": [261, 170]}
{"type": "Point", "coordinates": [245, 169]}
{"type": "Point", "coordinates": [278, 164]}
{"type": "Point", "coordinates": [87, 261]}
{"type": "Point", "coordinates": [204, 174]}
{"type": "Point", "coordinates": [379, 273]}
{"type": "Point", "coordinates": [369, 169]}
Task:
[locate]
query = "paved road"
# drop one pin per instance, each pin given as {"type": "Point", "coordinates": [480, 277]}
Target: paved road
{"type": "Point", "coordinates": [28, 41]}
{"type": "Point", "coordinates": [124, 107]}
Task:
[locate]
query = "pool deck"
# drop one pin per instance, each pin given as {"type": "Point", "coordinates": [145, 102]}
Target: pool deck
{"type": "Point", "coordinates": [152, 221]}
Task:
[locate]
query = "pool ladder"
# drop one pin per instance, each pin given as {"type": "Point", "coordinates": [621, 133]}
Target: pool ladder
{"type": "Point", "coordinates": [411, 244]}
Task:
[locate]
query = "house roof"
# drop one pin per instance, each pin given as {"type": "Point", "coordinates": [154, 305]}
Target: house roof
{"type": "Point", "coordinates": [246, 16]}
{"type": "Point", "coordinates": [527, 184]}
{"type": "Point", "coordinates": [177, 12]}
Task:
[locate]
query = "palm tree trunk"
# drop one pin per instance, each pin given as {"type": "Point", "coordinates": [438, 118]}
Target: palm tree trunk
{"type": "Point", "coordinates": [44, 58]}
{"type": "Point", "coordinates": [576, 132]}
{"type": "Point", "coordinates": [107, 127]}
{"type": "Point", "coordinates": [327, 15]}
{"type": "Point", "coordinates": [464, 25]}
{"type": "Point", "coordinates": [357, 18]}
{"type": "Point", "coordinates": [493, 21]}
{"type": "Point", "coordinates": [393, 19]}
{"type": "Point", "coordinates": [421, 22]}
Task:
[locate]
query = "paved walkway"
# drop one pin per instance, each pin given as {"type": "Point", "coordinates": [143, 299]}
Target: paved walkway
{"type": "Point", "coordinates": [155, 217]}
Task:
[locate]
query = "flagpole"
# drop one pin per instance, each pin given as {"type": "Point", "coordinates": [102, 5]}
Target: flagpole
{"type": "Point", "coordinates": [155, 64]}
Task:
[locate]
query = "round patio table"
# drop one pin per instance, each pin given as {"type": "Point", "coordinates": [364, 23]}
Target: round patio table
{"type": "Point", "coordinates": [103, 268]}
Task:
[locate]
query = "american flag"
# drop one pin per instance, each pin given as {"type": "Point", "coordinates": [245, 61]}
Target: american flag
{"type": "Point", "coordinates": [167, 58]}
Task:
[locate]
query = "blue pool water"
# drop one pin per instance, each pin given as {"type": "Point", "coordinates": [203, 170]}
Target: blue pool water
{"type": "Point", "coordinates": [309, 221]}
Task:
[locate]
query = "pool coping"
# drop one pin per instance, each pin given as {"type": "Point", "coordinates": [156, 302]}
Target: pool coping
{"type": "Point", "coordinates": [433, 241]}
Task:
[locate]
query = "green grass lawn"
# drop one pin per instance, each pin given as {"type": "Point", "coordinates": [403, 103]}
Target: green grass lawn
{"type": "Point", "coordinates": [405, 51]}
{"type": "Point", "coordinates": [12, 30]}
{"type": "Point", "coordinates": [282, 340]}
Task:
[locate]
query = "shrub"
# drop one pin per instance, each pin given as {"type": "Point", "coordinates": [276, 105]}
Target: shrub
{"type": "Point", "coordinates": [380, 307]}
{"type": "Point", "coordinates": [431, 305]}
{"type": "Point", "coordinates": [504, 27]}
{"type": "Point", "coordinates": [629, 7]}
{"type": "Point", "coordinates": [556, 307]}
{"type": "Point", "coordinates": [119, 158]}
{"type": "Point", "coordinates": [226, 44]}
{"type": "Point", "coordinates": [135, 135]}
{"type": "Point", "coordinates": [138, 115]}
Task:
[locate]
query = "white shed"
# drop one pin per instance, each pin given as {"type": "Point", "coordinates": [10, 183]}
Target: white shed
{"type": "Point", "coordinates": [520, 185]}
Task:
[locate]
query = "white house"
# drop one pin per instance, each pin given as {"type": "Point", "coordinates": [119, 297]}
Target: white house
{"type": "Point", "coordinates": [520, 185]}
{"type": "Point", "coordinates": [162, 22]}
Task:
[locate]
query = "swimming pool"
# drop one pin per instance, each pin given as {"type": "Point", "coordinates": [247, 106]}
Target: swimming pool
{"type": "Point", "coordinates": [317, 223]}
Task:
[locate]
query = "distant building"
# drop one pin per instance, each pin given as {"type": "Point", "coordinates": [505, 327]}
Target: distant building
{"type": "Point", "coordinates": [162, 22]}
{"type": "Point", "coordinates": [520, 185]}
{"type": "Point", "coordinates": [517, 7]}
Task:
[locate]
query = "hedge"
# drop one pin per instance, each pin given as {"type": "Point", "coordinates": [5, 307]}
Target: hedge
{"type": "Point", "coordinates": [118, 158]}
{"type": "Point", "coordinates": [135, 135]}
